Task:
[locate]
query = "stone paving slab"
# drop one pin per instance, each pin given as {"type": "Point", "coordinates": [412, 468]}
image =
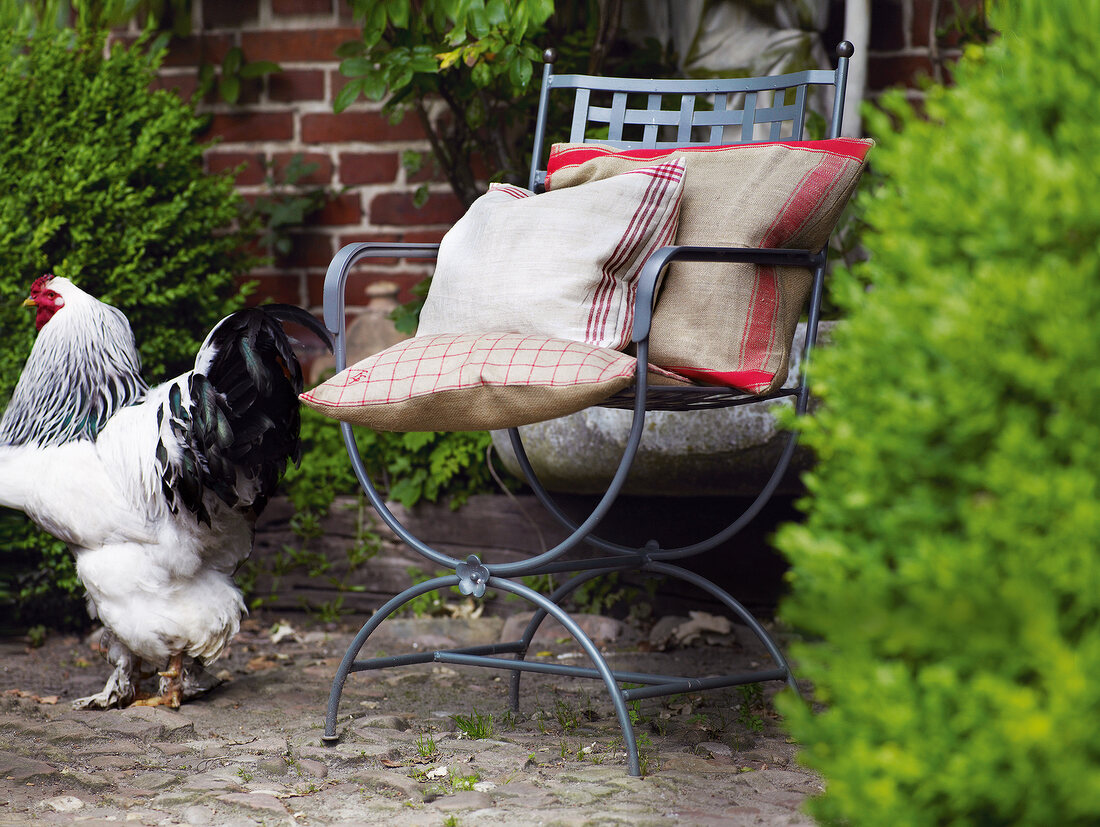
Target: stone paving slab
{"type": "Point", "coordinates": [250, 751]}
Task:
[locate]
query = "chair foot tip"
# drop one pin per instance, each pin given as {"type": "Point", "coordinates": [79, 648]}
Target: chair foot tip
{"type": "Point", "coordinates": [330, 740]}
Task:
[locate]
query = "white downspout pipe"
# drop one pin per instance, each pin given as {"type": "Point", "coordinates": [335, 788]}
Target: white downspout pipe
{"type": "Point", "coordinates": [857, 30]}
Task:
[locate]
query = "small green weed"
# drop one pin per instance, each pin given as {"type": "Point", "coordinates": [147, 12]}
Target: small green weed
{"type": "Point", "coordinates": [331, 610]}
{"type": "Point", "coordinates": [647, 755]}
{"type": "Point", "coordinates": [426, 746]}
{"type": "Point", "coordinates": [476, 726]}
{"type": "Point", "coordinates": [465, 782]}
{"type": "Point", "coordinates": [752, 702]}
{"type": "Point", "coordinates": [424, 605]}
{"type": "Point", "coordinates": [36, 636]}
{"type": "Point", "coordinates": [541, 583]}
{"type": "Point", "coordinates": [566, 715]}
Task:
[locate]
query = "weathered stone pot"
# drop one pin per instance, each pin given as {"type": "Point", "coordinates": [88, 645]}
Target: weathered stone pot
{"type": "Point", "coordinates": [729, 451]}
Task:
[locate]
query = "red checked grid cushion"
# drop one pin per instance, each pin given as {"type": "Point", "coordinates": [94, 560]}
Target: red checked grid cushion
{"type": "Point", "coordinates": [732, 324]}
{"type": "Point", "coordinates": [561, 264]}
{"type": "Point", "coordinates": [473, 382]}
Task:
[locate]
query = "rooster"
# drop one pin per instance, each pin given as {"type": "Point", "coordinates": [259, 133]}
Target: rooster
{"type": "Point", "coordinates": [155, 490]}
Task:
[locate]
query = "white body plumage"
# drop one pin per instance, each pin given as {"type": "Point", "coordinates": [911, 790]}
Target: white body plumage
{"type": "Point", "coordinates": [155, 491]}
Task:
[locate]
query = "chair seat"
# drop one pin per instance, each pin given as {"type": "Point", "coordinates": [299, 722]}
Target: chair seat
{"type": "Point", "coordinates": [693, 398]}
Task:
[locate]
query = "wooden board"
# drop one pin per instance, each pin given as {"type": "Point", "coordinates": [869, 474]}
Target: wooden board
{"type": "Point", "coordinates": [499, 529]}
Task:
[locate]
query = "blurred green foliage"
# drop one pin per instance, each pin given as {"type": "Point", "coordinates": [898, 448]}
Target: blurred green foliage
{"type": "Point", "coordinates": [476, 57]}
{"type": "Point", "coordinates": [948, 574]}
{"type": "Point", "coordinates": [168, 18]}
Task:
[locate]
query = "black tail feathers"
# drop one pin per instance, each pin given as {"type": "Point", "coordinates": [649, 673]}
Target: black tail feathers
{"type": "Point", "coordinates": [244, 404]}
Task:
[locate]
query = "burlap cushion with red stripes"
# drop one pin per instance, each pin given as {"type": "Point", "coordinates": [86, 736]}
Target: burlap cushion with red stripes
{"type": "Point", "coordinates": [732, 324]}
{"type": "Point", "coordinates": [473, 382]}
{"type": "Point", "coordinates": [557, 264]}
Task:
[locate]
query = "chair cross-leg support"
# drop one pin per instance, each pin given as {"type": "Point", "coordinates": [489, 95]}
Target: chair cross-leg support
{"type": "Point", "coordinates": [475, 576]}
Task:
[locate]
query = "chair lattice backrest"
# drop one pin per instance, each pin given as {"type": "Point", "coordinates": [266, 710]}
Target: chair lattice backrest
{"type": "Point", "coordinates": [665, 114]}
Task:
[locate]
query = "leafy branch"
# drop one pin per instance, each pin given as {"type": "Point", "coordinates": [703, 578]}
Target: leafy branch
{"type": "Point", "coordinates": [476, 57]}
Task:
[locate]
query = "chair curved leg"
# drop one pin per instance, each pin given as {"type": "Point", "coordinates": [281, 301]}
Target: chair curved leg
{"type": "Point", "coordinates": [345, 668]}
{"type": "Point", "coordinates": [590, 649]}
{"type": "Point", "coordinates": [555, 597]}
{"type": "Point", "coordinates": [728, 600]}
{"type": "Point", "coordinates": [734, 606]}
{"type": "Point", "coordinates": [543, 603]}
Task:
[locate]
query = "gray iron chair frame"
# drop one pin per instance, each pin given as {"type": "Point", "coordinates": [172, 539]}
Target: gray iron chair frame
{"type": "Point", "coordinates": [473, 576]}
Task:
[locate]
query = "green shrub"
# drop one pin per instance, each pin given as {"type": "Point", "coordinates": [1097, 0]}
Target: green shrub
{"type": "Point", "coordinates": [101, 180]}
{"type": "Point", "coordinates": [949, 568]}
{"type": "Point", "coordinates": [406, 467]}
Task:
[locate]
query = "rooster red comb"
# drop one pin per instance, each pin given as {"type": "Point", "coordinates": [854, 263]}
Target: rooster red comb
{"type": "Point", "coordinates": [40, 283]}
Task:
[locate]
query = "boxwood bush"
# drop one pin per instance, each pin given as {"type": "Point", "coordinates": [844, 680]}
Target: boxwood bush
{"type": "Point", "coordinates": [101, 180]}
{"type": "Point", "coordinates": [948, 572]}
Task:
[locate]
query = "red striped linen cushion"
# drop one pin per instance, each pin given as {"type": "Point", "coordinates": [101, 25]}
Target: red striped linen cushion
{"type": "Point", "coordinates": [562, 264]}
{"type": "Point", "coordinates": [732, 324]}
{"type": "Point", "coordinates": [473, 382]}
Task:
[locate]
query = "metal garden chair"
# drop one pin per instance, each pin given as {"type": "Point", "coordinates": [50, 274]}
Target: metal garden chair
{"type": "Point", "coordinates": [704, 112]}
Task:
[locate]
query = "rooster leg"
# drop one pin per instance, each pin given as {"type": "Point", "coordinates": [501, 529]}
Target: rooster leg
{"type": "Point", "coordinates": [120, 688]}
{"type": "Point", "coordinates": [171, 686]}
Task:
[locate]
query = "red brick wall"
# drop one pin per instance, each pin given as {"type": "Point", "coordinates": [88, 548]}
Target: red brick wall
{"type": "Point", "coordinates": [358, 152]}
{"type": "Point", "coordinates": [909, 39]}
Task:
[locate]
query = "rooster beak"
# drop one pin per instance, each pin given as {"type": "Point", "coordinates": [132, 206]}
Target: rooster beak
{"type": "Point", "coordinates": [28, 302]}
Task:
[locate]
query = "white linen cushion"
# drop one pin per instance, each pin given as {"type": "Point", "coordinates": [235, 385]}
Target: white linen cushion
{"type": "Point", "coordinates": [562, 264]}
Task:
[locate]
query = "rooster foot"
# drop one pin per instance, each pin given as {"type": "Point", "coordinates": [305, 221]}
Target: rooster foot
{"type": "Point", "coordinates": [119, 691]}
{"type": "Point", "coordinates": [171, 686]}
{"type": "Point", "coordinates": [109, 698]}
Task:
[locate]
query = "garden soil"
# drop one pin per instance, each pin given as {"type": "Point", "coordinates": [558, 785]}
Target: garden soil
{"type": "Point", "coordinates": [250, 751]}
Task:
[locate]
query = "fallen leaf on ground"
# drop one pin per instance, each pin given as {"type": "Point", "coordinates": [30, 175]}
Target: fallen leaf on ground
{"type": "Point", "coordinates": [283, 630]}
{"type": "Point", "coordinates": [701, 622]}
{"type": "Point", "coordinates": [41, 699]}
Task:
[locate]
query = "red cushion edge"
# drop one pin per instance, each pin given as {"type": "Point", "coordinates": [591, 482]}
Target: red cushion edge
{"type": "Point", "coordinates": [561, 157]}
{"type": "Point", "coordinates": [753, 381]}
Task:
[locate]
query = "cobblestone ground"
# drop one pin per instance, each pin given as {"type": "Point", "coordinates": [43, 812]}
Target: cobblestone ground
{"type": "Point", "coordinates": [250, 753]}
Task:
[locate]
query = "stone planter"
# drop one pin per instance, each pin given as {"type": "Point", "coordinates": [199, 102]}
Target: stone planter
{"type": "Point", "coordinates": [729, 451]}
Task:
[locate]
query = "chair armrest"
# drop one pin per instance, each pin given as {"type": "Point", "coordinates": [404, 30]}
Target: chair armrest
{"type": "Point", "coordinates": [661, 258]}
{"type": "Point", "coordinates": [337, 276]}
